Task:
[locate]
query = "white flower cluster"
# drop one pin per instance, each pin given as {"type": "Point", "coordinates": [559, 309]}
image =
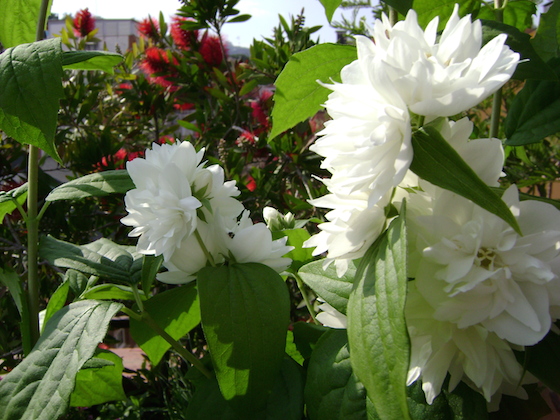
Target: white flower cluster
{"type": "Point", "coordinates": [185, 211]}
{"type": "Point", "coordinates": [367, 144]}
{"type": "Point", "coordinates": [480, 289]}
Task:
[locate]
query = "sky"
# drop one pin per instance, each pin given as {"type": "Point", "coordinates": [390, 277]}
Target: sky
{"type": "Point", "coordinates": [264, 15]}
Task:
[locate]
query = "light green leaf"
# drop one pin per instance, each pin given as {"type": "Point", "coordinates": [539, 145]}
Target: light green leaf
{"type": "Point", "coordinates": [332, 391]}
{"type": "Point", "coordinates": [291, 349]}
{"type": "Point", "coordinates": [30, 88]}
{"type": "Point", "coordinates": [100, 384]}
{"type": "Point", "coordinates": [517, 13]}
{"type": "Point", "coordinates": [296, 238]}
{"type": "Point", "coordinates": [102, 258]}
{"type": "Point", "coordinates": [298, 95]}
{"type": "Point", "coordinates": [56, 301]}
{"type": "Point", "coordinates": [330, 7]}
{"type": "Point", "coordinates": [377, 332]}
{"type": "Point", "coordinates": [7, 205]}
{"type": "Point", "coordinates": [18, 21]}
{"type": "Point", "coordinates": [534, 113]}
{"type": "Point", "coordinates": [326, 284]}
{"type": "Point", "coordinates": [245, 315]}
{"type": "Point", "coordinates": [110, 291]}
{"type": "Point", "coordinates": [98, 184]}
{"type": "Point", "coordinates": [285, 402]}
{"type": "Point", "coordinates": [91, 60]}
{"type": "Point", "coordinates": [547, 39]}
{"type": "Point", "coordinates": [429, 9]}
{"type": "Point", "coordinates": [531, 65]}
{"type": "Point", "coordinates": [39, 388]}
{"type": "Point", "coordinates": [437, 162]}
{"type": "Point", "coordinates": [177, 311]}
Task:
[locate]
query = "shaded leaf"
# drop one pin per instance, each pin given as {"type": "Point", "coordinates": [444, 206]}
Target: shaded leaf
{"type": "Point", "coordinates": [39, 388]}
{"type": "Point", "coordinates": [517, 13]}
{"type": "Point", "coordinates": [547, 39]}
{"type": "Point", "coordinates": [91, 60]}
{"type": "Point", "coordinates": [401, 6]}
{"type": "Point", "coordinates": [543, 360]}
{"type": "Point", "coordinates": [306, 336]}
{"type": "Point", "coordinates": [245, 314]}
{"type": "Point", "coordinates": [7, 204]}
{"type": "Point", "coordinates": [177, 311]}
{"type": "Point", "coordinates": [98, 184]}
{"type": "Point", "coordinates": [437, 162]}
{"type": "Point", "coordinates": [377, 331]}
{"type": "Point", "coordinates": [56, 301]}
{"type": "Point", "coordinates": [298, 95]}
{"type": "Point", "coordinates": [30, 89]}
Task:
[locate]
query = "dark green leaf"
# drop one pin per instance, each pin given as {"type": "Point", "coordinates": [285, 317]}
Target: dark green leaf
{"type": "Point", "coordinates": [91, 60]}
{"type": "Point", "coordinates": [326, 284]}
{"type": "Point", "coordinates": [18, 21]}
{"type": "Point", "coordinates": [102, 258]}
{"type": "Point", "coordinates": [240, 18]}
{"type": "Point", "coordinates": [98, 184]}
{"type": "Point", "coordinates": [437, 162]}
{"type": "Point", "coordinates": [285, 402]}
{"type": "Point", "coordinates": [30, 88]}
{"type": "Point", "coordinates": [7, 204]}
{"type": "Point", "coordinates": [291, 349]}
{"type": "Point", "coordinates": [306, 336]}
{"type": "Point", "coordinates": [150, 267]}
{"type": "Point", "coordinates": [543, 360]}
{"type": "Point", "coordinates": [532, 66]}
{"type": "Point", "coordinates": [517, 13]}
{"type": "Point", "coordinates": [177, 311]}
{"type": "Point", "coordinates": [330, 7]}
{"type": "Point", "coordinates": [298, 95]}
{"type": "Point", "coordinates": [39, 388]}
{"type": "Point", "coordinates": [429, 9]}
{"type": "Point", "coordinates": [547, 39]}
{"type": "Point", "coordinates": [10, 279]}
{"type": "Point", "coordinates": [245, 314]}
{"type": "Point", "coordinates": [401, 6]}
{"type": "Point", "coordinates": [534, 112]}
{"type": "Point", "coordinates": [332, 391]}
{"type": "Point", "coordinates": [56, 301]}
{"type": "Point", "coordinates": [377, 331]}
{"type": "Point", "coordinates": [100, 384]}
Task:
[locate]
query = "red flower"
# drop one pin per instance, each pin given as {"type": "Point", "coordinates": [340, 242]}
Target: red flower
{"type": "Point", "coordinates": [166, 140]}
{"type": "Point", "coordinates": [252, 184]}
{"type": "Point", "coordinates": [182, 38]}
{"type": "Point", "coordinates": [149, 28]}
{"type": "Point", "coordinates": [157, 65]}
{"type": "Point", "coordinates": [118, 160]}
{"type": "Point", "coordinates": [84, 23]}
{"type": "Point", "coordinates": [245, 139]}
{"type": "Point", "coordinates": [211, 50]}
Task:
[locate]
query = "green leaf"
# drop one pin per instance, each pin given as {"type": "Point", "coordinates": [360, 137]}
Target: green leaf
{"type": "Point", "coordinates": [531, 65]}
{"type": "Point", "coordinates": [296, 238]}
{"type": "Point", "coordinates": [534, 112]}
{"type": "Point", "coordinates": [543, 360]}
{"type": "Point", "coordinates": [285, 402]}
{"type": "Point", "coordinates": [298, 95]}
{"type": "Point", "coordinates": [401, 6]}
{"type": "Point", "coordinates": [330, 7]}
{"type": "Point", "coordinates": [326, 284]}
{"type": "Point", "coordinates": [91, 60]}
{"type": "Point", "coordinates": [7, 204]}
{"type": "Point", "coordinates": [291, 349]}
{"type": "Point", "coordinates": [98, 184]}
{"type": "Point", "coordinates": [377, 331]}
{"type": "Point", "coordinates": [332, 391]}
{"type": "Point", "coordinates": [108, 291]}
{"type": "Point", "coordinates": [306, 336]}
{"type": "Point", "coordinates": [39, 388]}
{"type": "Point", "coordinates": [102, 258]}
{"type": "Point", "coordinates": [18, 21]}
{"type": "Point", "coordinates": [56, 301]}
{"type": "Point", "coordinates": [177, 311]}
{"type": "Point", "coordinates": [98, 385]}
{"type": "Point", "coordinates": [517, 13]}
{"type": "Point", "coordinates": [547, 39]}
{"type": "Point", "coordinates": [150, 267]}
{"type": "Point", "coordinates": [437, 162]}
{"type": "Point", "coordinates": [10, 279]}
{"type": "Point", "coordinates": [245, 312]}
{"type": "Point", "coordinates": [30, 88]}
{"type": "Point", "coordinates": [429, 9]}
{"type": "Point", "coordinates": [240, 18]}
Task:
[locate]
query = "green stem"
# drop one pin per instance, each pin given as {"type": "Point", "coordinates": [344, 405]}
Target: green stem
{"type": "Point", "coordinates": [301, 288]}
{"type": "Point", "coordinates": [184, 353]}
{"type": "Point", "coordinates": [137, 298]}
{"type": "Point", "coordinates": [204, 249]}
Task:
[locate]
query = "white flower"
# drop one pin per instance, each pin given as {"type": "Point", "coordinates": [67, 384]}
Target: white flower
{"type": "Point", "coordinates": [440, 77]}
{"type": "Point", "coordinates": [172, 187]}
{"type": "Point", "coordinates": [162, 208]}
{"type": "Point", "coordinates": [473, 355]}
{"type": "Point", "coordinates": [248, 242]}
{"type": "Point", "coordinates": [330, 317]}
{"type": "Point", "coordinates": [475, 269]}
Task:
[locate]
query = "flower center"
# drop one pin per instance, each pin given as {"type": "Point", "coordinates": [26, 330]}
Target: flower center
{"type": "Point", "coordinates": [487, 258]}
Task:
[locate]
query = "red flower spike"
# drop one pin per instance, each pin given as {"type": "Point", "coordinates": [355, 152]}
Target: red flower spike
{"type": "Point", "coordinates": [211, 50]}
{"type": "Point", "coordinates": [157, 61]}
{"type": "Point", "coordinates": [84, 23]}
{"type": "Point", "coordinates": [182, 38]}
{"type": "Point", "coordinates": [149, 28]}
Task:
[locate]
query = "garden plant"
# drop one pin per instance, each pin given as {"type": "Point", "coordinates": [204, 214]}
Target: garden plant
{"type": "Point", "coordinates": [317, 231]}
